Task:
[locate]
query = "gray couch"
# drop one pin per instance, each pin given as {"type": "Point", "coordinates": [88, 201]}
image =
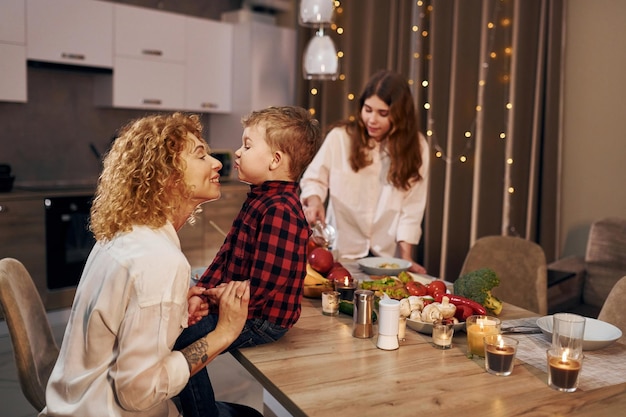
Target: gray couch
{"type": "Point", "coordinates": [594, 275]}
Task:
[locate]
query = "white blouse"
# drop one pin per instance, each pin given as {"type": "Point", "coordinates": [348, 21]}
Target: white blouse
{"type": "Point", "coordinates": [369, 213]}
{"type": "Point", "coordinates": [130, 306]}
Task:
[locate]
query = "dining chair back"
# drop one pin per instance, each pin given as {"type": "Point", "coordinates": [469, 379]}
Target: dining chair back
{"type": "Point", "coordinates": [34, 347]}
{"type": "Point", "coordinates": [614, 310]}
{"type": "Point", "coordinates": [521, 266]}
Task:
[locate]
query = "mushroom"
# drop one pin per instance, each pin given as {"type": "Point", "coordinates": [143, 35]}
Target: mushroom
{"type": "Point", "coordinates": [417, 303]}
{"type": "Point", "coordinates": [447, 309]}
{"type": "Point", "coordinates": [405, 308]}
{"type": "Point", "coordinates": [430, 313]}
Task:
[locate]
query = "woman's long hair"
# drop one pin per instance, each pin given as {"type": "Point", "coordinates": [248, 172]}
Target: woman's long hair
{"type": "Point", "coordinates": [402, 142]}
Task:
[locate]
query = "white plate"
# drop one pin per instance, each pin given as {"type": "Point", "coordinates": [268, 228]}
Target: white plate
{"type": "Point", "coordinates": [427, 328]}
{"type": "Point", "coordinates": [598, 333]}
{"type": "Point", "coordinates": [376, 265]}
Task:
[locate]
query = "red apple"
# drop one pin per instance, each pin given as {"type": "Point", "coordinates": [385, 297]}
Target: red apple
{"type": "Point", "coordinates": [339, 273]}
{"type": "Point", "coordinates": [321, 259]}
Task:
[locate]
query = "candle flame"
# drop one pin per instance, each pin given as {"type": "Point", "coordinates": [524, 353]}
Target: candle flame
{"type": "Point", "coordinates": [565, 355]}
{"type": "Point", "coordinates": [346, 281]}
{"type": "Point", "coordinates": [500, 341]}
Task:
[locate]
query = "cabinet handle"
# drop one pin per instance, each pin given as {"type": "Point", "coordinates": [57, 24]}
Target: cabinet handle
{"type": "Point", "coordinates": [154, 101]}
{"type": "Point", "coordinates": [79, 57]}
{"type": "Point", "coordinates": [3, 209]}
{"type": "Point", "coordinates": [153, 52]}
{"type": "Point", "coordinates": [206, 105]}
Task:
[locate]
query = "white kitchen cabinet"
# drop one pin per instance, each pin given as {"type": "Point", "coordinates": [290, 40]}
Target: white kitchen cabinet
{"type": "Point", "coordinates": [13, 51]}
{"type": "Point", "coordinates": [13, 73]}
{"type": "Point", "coordinates": [13, 21]}
{"type": "Point", "coordinates": [149, 34]}
{"type": "Point", "coordinates": [75, 32]}
{"type": "Point", "coordinates": [149, 61]}
{"type": "Point", "coordinates": [264, 74]}
{"type": "Point", "coordinates": [209, 56]}
{"type": "Point", "coordinates": [142, 84]}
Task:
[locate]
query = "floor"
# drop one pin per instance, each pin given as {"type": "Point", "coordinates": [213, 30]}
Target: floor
{"type": "Point", "coordinates": [231, 381]}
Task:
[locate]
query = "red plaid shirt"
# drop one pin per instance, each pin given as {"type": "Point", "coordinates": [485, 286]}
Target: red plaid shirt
{"type": "Point", "coordinates": [267, 244]}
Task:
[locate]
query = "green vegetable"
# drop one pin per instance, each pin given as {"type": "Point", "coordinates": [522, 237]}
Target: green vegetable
{"type": "Point", "coordinates": [477, 286]}
{"type": "Point", "coordinates": [378, 284]}
{"type": "Point", "coordinates": [347, 307]}
{"type": "Point", "coordinates": [405, 277]}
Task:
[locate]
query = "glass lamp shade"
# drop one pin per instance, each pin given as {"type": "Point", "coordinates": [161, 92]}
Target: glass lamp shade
{"type": "Point", "coordinates": [316, 12]}
{"type": "Point", "coordinates": [320, 59]}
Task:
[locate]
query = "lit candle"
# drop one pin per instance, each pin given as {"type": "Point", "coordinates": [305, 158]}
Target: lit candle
{"type": "Point", "coordinates": [563, 371]}
{"type": "Point", "coordinates": [477, 327]}
{"type": "Point", "coordinates": [346, 288]}
{"type": "Point", "coordinates": [442, 334]}
{"type": "Point", "coordinates": [499, 354]}
{"type": "Point", "coordinates": [330, 303]}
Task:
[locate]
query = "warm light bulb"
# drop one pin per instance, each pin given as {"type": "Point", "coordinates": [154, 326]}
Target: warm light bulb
{"type": "Point", "coordinates": [509, 161]}
{"type": "Point", "coordinates": [511, 190]}
{"type": "Point", "coordinates": [463, 158]}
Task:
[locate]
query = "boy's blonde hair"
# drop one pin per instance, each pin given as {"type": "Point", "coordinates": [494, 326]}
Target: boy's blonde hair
{"type": "Point", "coordinates": [142, 182]}
{"type": "Point", "coordinates": [291, 130]}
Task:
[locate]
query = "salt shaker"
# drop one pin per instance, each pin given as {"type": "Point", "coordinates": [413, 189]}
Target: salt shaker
{"type": "Point", "coordinates": [362, 316]}
{"type": "Point", "coordinates": [388, 322]}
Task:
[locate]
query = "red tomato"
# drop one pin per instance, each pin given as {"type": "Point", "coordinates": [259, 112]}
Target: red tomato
{"type": "Point", "coordinates": [416, 288]}
{"type": "Point", "coordinates": [436, 286]}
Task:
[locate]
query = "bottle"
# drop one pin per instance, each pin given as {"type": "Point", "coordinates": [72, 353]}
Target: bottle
{"type": "Point", "coordinates": [388, 321]}
{"type": "Point", "coordinates": [362, 316]}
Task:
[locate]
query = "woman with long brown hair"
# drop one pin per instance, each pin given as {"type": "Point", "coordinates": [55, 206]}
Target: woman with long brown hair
{"type": "Point", "coordinates": [373, 168]}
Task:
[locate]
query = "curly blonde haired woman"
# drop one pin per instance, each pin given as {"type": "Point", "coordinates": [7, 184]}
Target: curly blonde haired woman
{"type": "Point", "coordinates": [131, 303]}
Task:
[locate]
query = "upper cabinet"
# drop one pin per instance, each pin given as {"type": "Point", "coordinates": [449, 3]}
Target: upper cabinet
{"type": "Point", "coordinates": [75, 32]}
{"type": "Point", "coordinates": [209, 55]}
{"type": "Point", "coordinates": [149, 34]}
{"type": "Point", "coordinates": [149, 61]}
{"type": "Point", "coordinates": [13, 51]}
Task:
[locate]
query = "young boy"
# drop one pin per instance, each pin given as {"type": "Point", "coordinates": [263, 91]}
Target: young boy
{"type": "Point", "coordinates": [267, 241]}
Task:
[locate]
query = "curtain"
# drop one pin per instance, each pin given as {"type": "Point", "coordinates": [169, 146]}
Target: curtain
{"type": "Point", "coordinates": [486, 75]}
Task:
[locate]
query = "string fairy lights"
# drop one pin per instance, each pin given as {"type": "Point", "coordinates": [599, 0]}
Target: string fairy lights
{"type": "Point", "coordinates": [498, 22]}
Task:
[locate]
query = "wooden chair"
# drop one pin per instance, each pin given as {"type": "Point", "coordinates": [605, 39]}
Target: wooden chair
{"type": "Point", "coordinates": [614, 309]}
{"type": "Point", "coordinates": [34, 347]}
{"type": "Point", "coordinates": [521, 266]}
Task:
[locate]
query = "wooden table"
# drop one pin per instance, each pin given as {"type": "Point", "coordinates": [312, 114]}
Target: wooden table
{"type": "Point", "coordinates": [319, 369]}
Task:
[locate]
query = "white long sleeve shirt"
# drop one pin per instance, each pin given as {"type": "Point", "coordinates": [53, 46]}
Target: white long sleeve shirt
{"type": "Point", "coordinates": [368, 212]}
{"type": "Point", "coordinates": [130, 306]}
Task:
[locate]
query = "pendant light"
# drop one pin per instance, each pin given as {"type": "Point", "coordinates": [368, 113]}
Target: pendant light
{"type": "Point", "coordinates": [320, 61]}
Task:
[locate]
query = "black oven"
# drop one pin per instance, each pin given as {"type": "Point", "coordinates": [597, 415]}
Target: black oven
{"type": "Point", "coordinates": [68, 239]}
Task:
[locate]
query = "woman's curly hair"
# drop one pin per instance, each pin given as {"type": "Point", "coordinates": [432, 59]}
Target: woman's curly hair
{"type": "Point", "coordinates": [142, 182]}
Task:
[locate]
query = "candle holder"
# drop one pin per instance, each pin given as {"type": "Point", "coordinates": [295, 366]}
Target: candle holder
{"type": "Point", "coordinates": [443, 330]}
{"type": "Point", "coordinates": [477, 327]}
{"type": "Point", "coordinates": [330, 303]}
{"type": "Point", "coordinates": [564, 368]}
{"type": "Point", "coordinates": [346, 287]}
{"type": "Point", "coordinates": [500, 354]}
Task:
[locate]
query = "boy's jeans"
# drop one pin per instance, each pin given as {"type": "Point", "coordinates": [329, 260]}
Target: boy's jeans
{"type": "Point", "coordinates": [197, 398]}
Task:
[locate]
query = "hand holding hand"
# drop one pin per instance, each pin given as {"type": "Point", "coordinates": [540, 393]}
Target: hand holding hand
{"type": "Point", "coordinates": [233, 308]}
{"type": "Point", "coordinates": [197, 307]}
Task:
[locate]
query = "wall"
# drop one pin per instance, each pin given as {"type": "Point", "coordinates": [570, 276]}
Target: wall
{"type": "Point", "coordinates": [594, 110]}
{"type": "Point", "coordinates": [47, 140]}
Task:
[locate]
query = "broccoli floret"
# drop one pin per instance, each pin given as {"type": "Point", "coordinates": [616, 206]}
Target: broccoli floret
{"type": "Point", "coordinates": [477, 286]}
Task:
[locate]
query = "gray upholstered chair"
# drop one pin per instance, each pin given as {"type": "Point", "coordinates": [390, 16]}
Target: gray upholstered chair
{"type": "Point", "coordinates": [34, 347]}
{"type": "Point", "coordinates": [521, 266]}
{"type": "Point", "coordinates": [614, 309]}
{"type": "Point", "coordinates": [595, 274]}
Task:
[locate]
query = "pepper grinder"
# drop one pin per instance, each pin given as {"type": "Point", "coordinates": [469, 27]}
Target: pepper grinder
{"type": "Point", "coordinates": [388, 322]}
{"type": "Point", "coordinates": [362, 316]}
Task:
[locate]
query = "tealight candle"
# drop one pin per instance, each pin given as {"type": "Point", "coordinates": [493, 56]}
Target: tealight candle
{"type": "Point", "coordinates": [477, 327]}
{"type": "Point", "coordinates": [563, 369]}
{"type": "Point", "coordinates": [499, 354]}
{"type": "Point", "coordinates": [442, 334]}
{"type": "Point", "coordinates": [346, 288]}
{"type": "Point", "coordinates": [330, 303]}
